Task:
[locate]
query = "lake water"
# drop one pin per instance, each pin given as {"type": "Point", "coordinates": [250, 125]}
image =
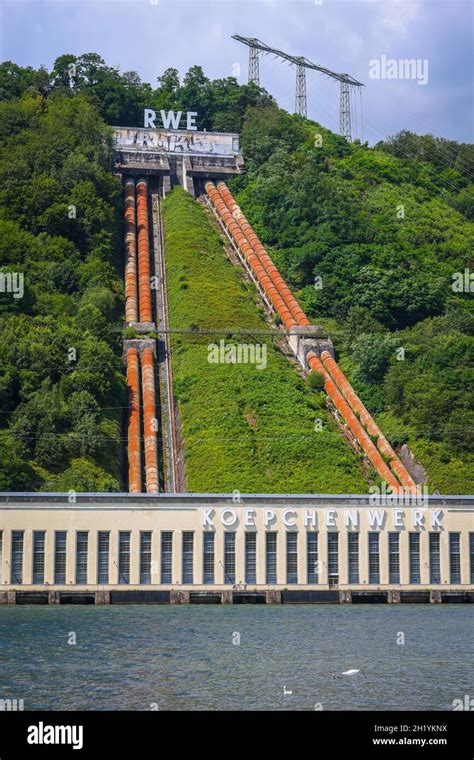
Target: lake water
{"type": "Point", "coordinates": [188, 657]}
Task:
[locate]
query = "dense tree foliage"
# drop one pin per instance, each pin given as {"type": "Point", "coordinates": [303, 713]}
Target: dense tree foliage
{"type": "Point", "coordinates": [444, 155]}
{"type": "Point", "coordinates": [121, 98]}
{"type": "Point", "coordinates": [61, 384]}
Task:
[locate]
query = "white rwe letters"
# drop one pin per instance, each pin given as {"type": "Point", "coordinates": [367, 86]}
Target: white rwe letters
{"type": "Point", "coordinates": [170, 119]}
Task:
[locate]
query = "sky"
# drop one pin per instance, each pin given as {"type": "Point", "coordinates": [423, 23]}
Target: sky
{"type": "Point", "coordinates": [365, 38]}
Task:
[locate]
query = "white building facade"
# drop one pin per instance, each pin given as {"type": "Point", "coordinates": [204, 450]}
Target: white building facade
{"type": "Point", "coordinates": [252, 542]}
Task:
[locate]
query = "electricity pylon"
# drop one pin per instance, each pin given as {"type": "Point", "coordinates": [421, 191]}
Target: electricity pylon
{"type": "Point", "coordinates": [301, 63]}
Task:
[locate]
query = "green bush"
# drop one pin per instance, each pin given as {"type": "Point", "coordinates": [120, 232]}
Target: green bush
{"type": "Point", "coordinates": [316, 381]}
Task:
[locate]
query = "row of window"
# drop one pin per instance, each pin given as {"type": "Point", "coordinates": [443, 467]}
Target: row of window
{"type": "Point", "coordinates": [208, 559]}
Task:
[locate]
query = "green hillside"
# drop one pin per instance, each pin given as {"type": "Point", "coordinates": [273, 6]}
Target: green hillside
{"type": "Point", "coordinates": [371, 240]}
{"type": "Point", "coordinates": [244, 428]}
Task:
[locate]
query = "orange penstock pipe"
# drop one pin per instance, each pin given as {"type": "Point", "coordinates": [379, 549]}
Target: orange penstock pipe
{"type": "Point", "coordinates": [133, 432]}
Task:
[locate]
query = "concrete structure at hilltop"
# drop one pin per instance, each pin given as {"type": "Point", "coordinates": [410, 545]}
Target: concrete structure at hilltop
{"type": "Point", "coordinates": [177, 157]}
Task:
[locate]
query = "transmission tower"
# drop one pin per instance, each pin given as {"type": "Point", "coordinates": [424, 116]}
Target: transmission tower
{"type": "Point", "coordinates": [300, 99]}
{"type": "Point", "coordinates": [345, 126]}
{"type": "Point", "coordinates": [301, 63]}
{"type": "Point", "coordinates": [254, 72]}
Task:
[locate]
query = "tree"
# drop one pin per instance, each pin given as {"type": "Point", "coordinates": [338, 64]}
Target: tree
{"type": "Point", "coordinates": [372, 353]}
{"type": "Point", "coordinates": [15, 472]}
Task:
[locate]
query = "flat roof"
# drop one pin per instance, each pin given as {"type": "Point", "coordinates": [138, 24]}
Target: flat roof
{"type": "Point", "coordinates": [167, 500]}
{"type": "Point", "coordinates": [181, 131]}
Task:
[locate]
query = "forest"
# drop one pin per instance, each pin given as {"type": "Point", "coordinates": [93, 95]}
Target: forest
{"type": "Point", "coordinates": [373, 240]}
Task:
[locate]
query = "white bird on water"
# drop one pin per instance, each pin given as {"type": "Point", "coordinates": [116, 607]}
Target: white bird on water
{"type": "Point", "coordinates": [351, 672]}
{"type": "Point", "coordinates": [285, 692]}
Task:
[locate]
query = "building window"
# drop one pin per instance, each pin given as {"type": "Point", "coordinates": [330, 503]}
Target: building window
{"type": "Point", "coordinates": [312, 557]}
{"type": "Point", "coordinates": [39, 537]}
{"type": "Point", "coordinates": [292, 557]}
{"type": "Point", "coordinates": [145, 556]}
{"type": "Point", "coordinates": [250, 557]}
{"type": "Point", "coordinates": [60, 557]}
{"type": "Point", "coordinates": [124, 557]}
{"type": "Point", "coordinates": [435, 565]}
{"type": "Point", "coordinates": [374, 557]}
{"type": "Point", "coordinates": [455, 557]}
{"type": "Point", "coordinates": [229, 557]}
{"type": "Point", "coordinates": [394, 558]}
{"type": "Point", "coordinates": [17, 556]}
{"type": "Point", "coordinates": [103, 548]}
{"type": "Point", "coordinates": [471, 554]}
{"type": "Point", "coordinates": [414, 557]}
{"type": "Point", "coordinates": [271, 557]}
{"type": "Point", "coordinates": [81, 557]}
{"type": "Point", "coordinates": [353, 556]}
{"type": "Point", "coordinates": [208, 557]}
{"type": "Point", "coordinates": [188, 557]}
{"type": "Point", "coordinates": [166, 556]}
{"type": "Point", "coordinates": [333, 558]}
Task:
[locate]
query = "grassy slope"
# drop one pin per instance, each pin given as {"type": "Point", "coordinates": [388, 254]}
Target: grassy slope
{"type": "Point", "coordinates": [243, 428]}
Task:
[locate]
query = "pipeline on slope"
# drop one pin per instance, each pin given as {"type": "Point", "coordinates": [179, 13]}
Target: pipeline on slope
{"type": "Point", "coordinates": [136, 218]}
{"type": "Point", "coordinates": [353, 423]}
{"type": "Point", "coordinates": [244, 235]}
{"type": "Point", "coordinates": [367, 421]}
{"type": "Point", "coordinates": [131, 311]}
{"type": "Point", "coordinates": [144, 273]}
{"type": "Point", "coordinates": [133, 433]}
{"type": "Point", "coordinates": [257, 268]}
{"type": "Point", "coordinates": [262, 255]}
{"type": "Point", "coordinates": [149, 420]}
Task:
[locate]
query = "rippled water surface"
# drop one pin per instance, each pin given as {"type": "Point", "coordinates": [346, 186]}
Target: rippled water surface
{"type": "Point", "coordinates": [188, 657]}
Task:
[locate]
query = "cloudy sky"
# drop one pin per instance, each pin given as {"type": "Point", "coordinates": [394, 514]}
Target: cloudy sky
{"type": "Point", "coordinates": [148, 36]}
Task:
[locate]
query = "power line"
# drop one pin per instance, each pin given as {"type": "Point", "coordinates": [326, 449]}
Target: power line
{"type": "Point", "coordinates": [410, 155]}
{"type": "Point", "coordinates": [256, 434]}
{"type": "Point", "coordinates": [301, 64]}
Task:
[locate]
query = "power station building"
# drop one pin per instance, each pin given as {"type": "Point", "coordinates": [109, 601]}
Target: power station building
{"type": "Point", "coordinates": [193, 548]}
